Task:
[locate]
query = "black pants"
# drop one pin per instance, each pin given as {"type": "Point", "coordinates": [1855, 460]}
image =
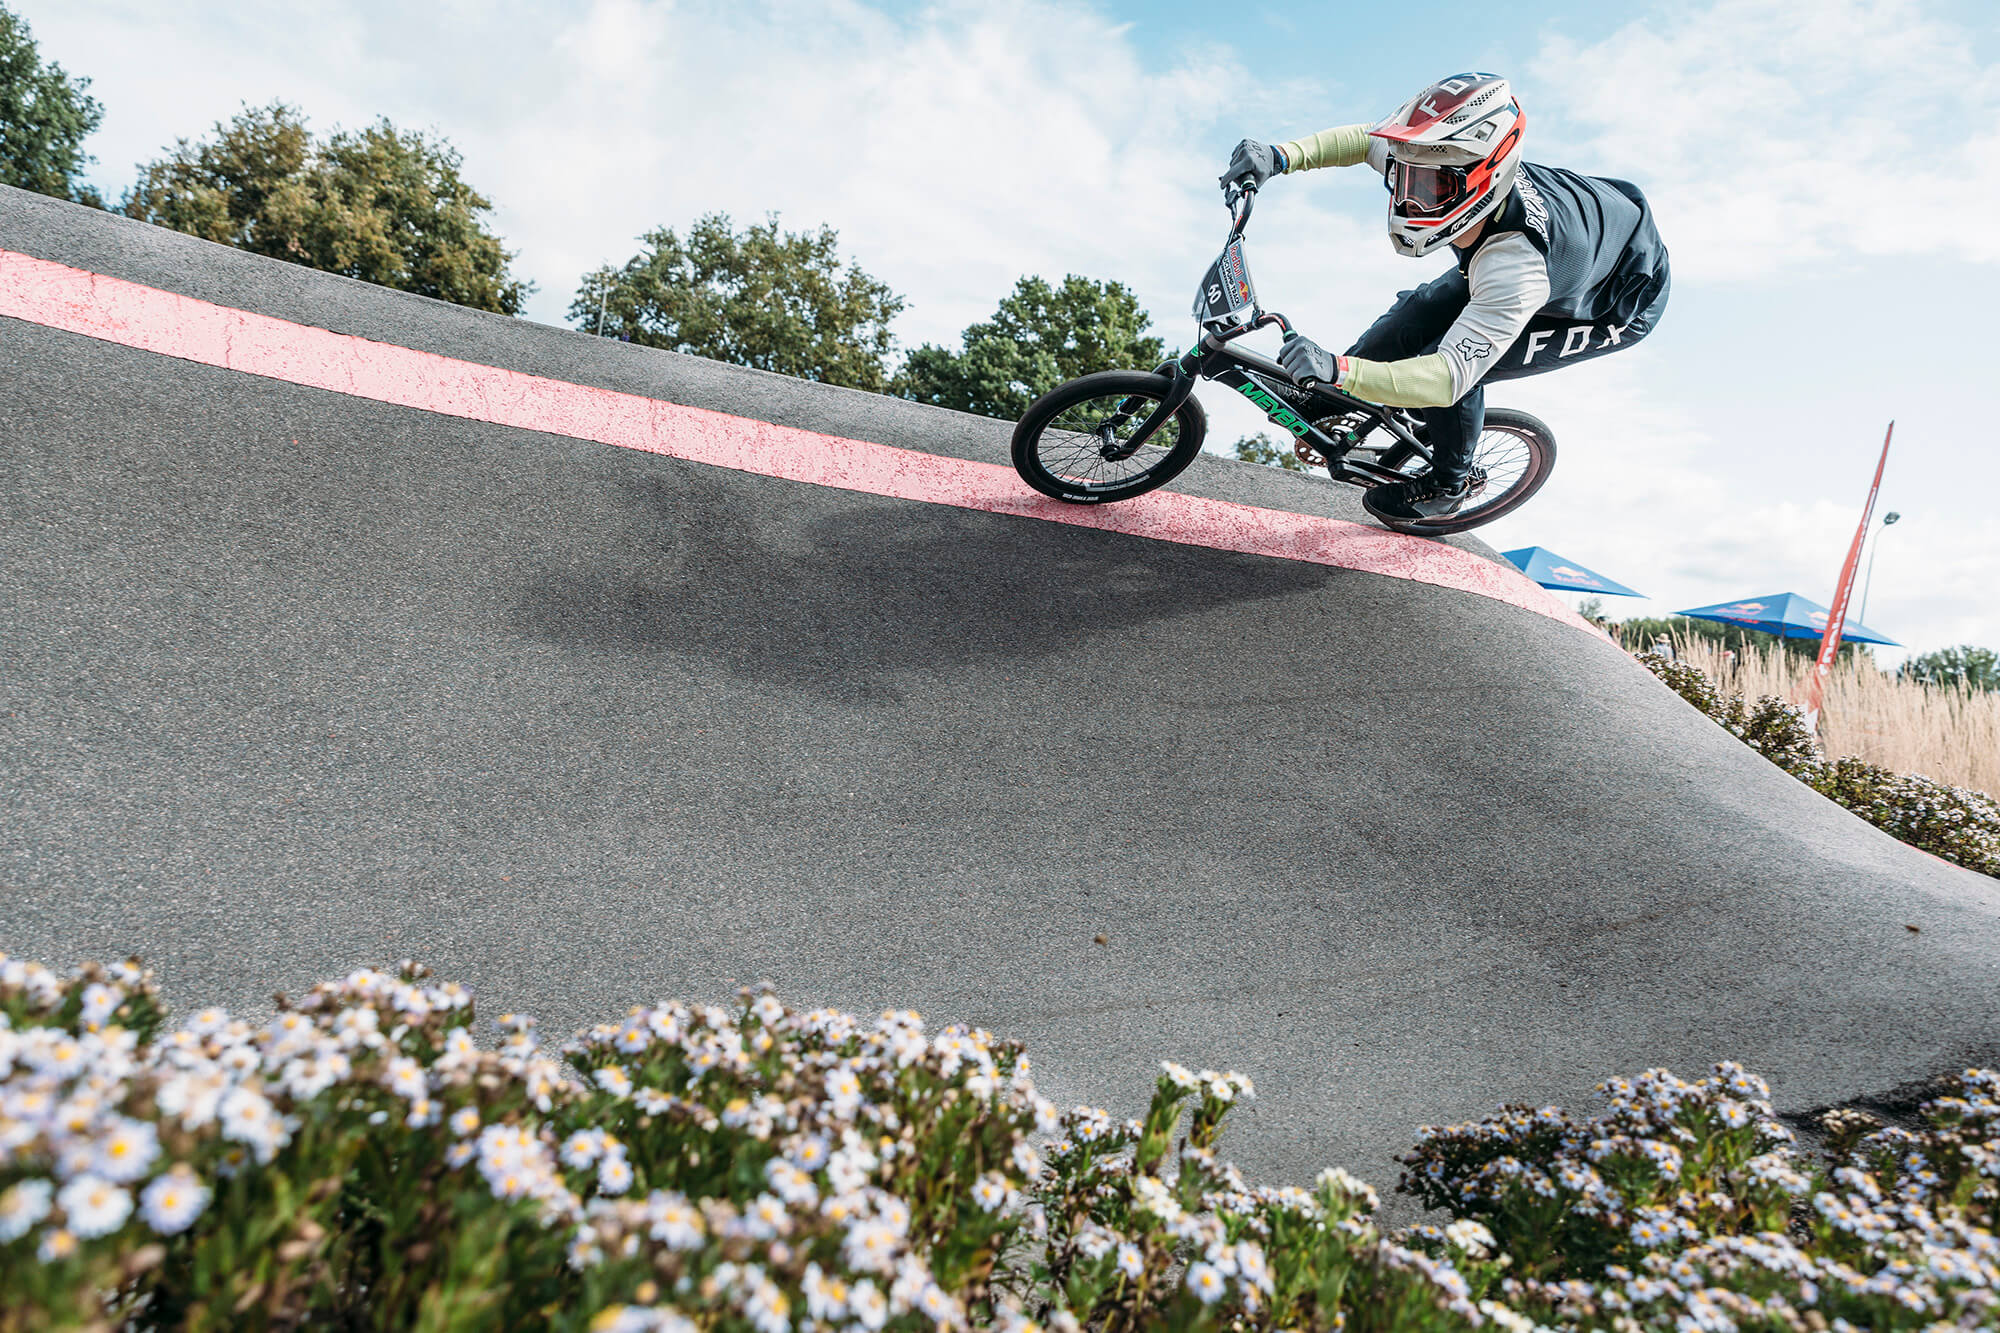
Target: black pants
{"type": "Point", "coordinates": [1417, 323]}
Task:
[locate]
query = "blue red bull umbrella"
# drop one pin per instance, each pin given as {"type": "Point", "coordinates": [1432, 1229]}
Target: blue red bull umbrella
{"type": "Point", "coordinates": [1787, 615]}
{"type": "Point", "coordinates": [1552, 571]}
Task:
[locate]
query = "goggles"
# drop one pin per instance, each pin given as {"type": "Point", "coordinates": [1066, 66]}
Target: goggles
{"type": "Point", "coordinates": [1421, 191]}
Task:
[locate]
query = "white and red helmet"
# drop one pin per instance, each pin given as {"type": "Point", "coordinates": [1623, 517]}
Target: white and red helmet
{"type": "Point", "coordinates": [1453, 152]}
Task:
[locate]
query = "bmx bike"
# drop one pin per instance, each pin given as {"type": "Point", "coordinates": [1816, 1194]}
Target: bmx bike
{"type": "Point", "coordinates": [1116, 434]}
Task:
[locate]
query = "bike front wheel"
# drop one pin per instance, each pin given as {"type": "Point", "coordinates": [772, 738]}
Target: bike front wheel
{"type": "Point", "coordinates": [1074, 442]}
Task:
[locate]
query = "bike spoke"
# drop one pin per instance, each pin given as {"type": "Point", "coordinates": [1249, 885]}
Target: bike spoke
{"type": "Point", "coordinates": [1071, 446]}
{"type": "Point", "coordinates": [1504, 456]}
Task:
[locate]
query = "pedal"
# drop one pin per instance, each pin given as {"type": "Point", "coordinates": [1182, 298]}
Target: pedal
{"type": "Point", "coordinates": [1308, 455]}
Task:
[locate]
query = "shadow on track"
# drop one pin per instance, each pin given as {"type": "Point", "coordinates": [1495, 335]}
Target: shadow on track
{"type": "Point", "coordinates": [839, 605]}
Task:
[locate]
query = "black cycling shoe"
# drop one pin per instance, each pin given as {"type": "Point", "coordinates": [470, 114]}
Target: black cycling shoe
{"type": "Point", "coordinates": [1415, 500]}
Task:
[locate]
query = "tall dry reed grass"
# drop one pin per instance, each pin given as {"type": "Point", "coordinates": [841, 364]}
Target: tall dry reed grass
{"type": "Point", "coordinates": [1950, 734]}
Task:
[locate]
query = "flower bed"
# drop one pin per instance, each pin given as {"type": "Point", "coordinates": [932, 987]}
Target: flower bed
{"type": "Point", "coordinates": [359, 1162]}
{"type": "Point", "coordinates": [1955, 823]}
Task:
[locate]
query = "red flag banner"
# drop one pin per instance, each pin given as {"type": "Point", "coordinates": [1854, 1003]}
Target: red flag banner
{"type": "Point", "coordinates": [1836, 616]}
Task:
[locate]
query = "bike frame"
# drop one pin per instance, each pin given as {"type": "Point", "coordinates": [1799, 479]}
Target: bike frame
{"type": "Point", "coordinates": [1293, 407]}
{"type": "Point", "coordinates": [1230, 311]}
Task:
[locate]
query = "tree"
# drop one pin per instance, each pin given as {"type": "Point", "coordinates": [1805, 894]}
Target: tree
{"type": "Point", "coordinates": [45, 116]}
{"type": "Point", "coordinates": [1259, 449]}
{"type": "Point", "coordinates": [777, 300]}
{"type": "Point", "coordinates": [1964, 666]}
{"type": "Point", "coordinates": [1039, 337]}
{"type": "Point", "coordinates": [379, 204]}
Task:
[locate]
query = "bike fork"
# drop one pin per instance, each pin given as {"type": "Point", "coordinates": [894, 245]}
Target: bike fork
{"type": "Point", "coordinates": [1184, 383]}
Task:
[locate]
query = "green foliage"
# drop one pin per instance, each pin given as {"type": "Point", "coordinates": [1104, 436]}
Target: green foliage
{"type": "Point", "coordinates": [1955, 823]}
{"type": "Point", "coordinates": [1259, 449]}
{"type": "Point", "coordinates": [45, 115]}
{"type": "Point", "coordinates": [357, 1162]}
{"type": "Point", "coordinates": [776, 300]}
{"type": "Point", "coordinates": [379, 205]}
{"type": "Point", "coordinates": [1684, 1206]}
{"type": "Point", "coordinates": [1039, 337]}
{"type": "Point", "coordinates": [1965, 666]}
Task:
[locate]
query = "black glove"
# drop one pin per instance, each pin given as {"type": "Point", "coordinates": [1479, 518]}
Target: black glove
{"type": "Point", "coordinates": [1304, 359]}
{"type": "Point", "coordinates": [1258, 161]}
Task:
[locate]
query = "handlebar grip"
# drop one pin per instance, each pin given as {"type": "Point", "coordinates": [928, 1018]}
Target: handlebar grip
{"type": "Point", "coordinates": [1305, 381]}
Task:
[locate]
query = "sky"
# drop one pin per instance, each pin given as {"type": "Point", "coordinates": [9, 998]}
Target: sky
{"type": "Point", "coordinates": [1826, 175]}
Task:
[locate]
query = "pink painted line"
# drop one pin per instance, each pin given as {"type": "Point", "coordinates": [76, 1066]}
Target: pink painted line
{"type": "Point", "coordinates": [116, 311]}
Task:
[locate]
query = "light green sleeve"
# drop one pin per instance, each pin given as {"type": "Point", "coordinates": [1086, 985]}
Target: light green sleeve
{"type": "Point", "coordinates": [1341, 146]}
{"type": "Point", "coordinates": [1418, 381]}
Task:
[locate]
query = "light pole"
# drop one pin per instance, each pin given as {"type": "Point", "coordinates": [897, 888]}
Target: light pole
{"type": "Point", "coordinates": [1887, 519]}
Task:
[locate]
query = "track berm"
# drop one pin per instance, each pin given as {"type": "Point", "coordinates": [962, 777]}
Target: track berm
{"type": "Point", "coordinates": [295, 680]}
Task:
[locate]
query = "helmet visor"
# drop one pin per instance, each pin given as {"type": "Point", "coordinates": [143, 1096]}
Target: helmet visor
{"type": "Point", "coordinates": [1423, 191]}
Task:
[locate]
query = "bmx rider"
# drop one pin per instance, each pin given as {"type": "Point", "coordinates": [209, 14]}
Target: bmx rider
{"type": "Point", "coordinates": [1553, 268]}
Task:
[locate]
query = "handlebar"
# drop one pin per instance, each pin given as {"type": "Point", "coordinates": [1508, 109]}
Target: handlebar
{"type": "Point", "coordinates": [1240, 197]}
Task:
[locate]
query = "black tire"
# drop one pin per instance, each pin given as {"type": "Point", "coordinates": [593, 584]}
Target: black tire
{"type": "Point", "coordinates": [1057, 451]}
{"type": "Point", "coordinates": [1510, 441]}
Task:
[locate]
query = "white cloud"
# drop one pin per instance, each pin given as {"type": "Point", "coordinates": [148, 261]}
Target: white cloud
{"type": "Point", "coordinates": [1777, 133]}
{"type": "Point", "coordinates": [954, 150]}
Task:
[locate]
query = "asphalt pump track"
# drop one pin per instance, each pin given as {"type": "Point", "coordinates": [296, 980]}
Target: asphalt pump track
{"type": "Point", "coordinates": [339, 626]}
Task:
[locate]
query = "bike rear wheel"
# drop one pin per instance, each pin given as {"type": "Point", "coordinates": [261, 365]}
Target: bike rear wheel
{"type": "Point", "coordinates": [1074, 442]}
{"type": "Point", "coordinates": [1511, 461]}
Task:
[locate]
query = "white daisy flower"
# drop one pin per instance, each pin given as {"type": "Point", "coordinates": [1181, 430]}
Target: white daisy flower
{"type": "Point", "coordinates": [614, 1174]}
{"type": "Point", "coordinates": [127, 1152]}
{"type": "Point", "coordinates": [208, 1021]}
{"type": "Point", "coordinates": [632, 1039]}
{"type": "Point", "coordinates": [1469, 1236]}
{"type": "Point", "coordinates": [22, 1205]}
{"type": "Point", "coordinates": [99, 1002]}
{"type": "Point", "coordinates": [870, 1246]}
{"type": "Point", "coordinates": [583, 1147]}
{"type": "Point", "coordinates": [465, 1120]}
{"type": "Point", "coordinates": [990, 1191]}
{"type": "Point", "coordinates": [826, 1298]}
{"type": "Point", "coordinates": [809, 1153]}
{"type": "Point", "coordinates": [93, 1206]}
{"type": "Point", "coordinates": [173, 1201]}
{"type": "Point", "coordinates": [843, 1090]}
{"type": "Point", "coordinates": [1026, 1160]}
{"type": "Point", "coordinates": [868, 1305]}
{"type": "Point", "coordinates": [674, 1224]}
{"type": "Point", "coordinates": [938, 1305]}
{"type": "Point", "coordinates": [406, 1078]}
{"type": "Point", "coordinates": [1206, 1282]}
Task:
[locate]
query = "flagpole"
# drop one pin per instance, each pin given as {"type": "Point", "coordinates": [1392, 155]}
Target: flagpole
{"type": "Point", "coordinates": [1836, 616]}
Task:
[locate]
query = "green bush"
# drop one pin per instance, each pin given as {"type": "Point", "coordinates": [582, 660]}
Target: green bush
{"type": "Point", "coordinates": [1954, 823]}
{"type": "Point", "coordinates": [1685, 1206]}
{"type": "Point", "coordinates": [358, 1162]}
